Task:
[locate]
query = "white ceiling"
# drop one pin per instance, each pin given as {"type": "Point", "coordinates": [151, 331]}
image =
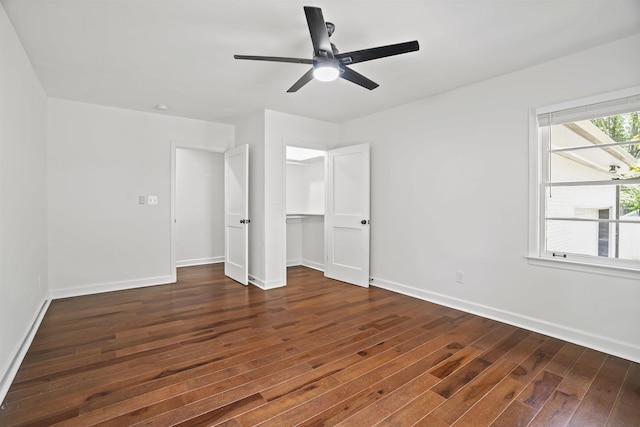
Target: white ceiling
{"type": "Point", "coordinates": [136, 54]}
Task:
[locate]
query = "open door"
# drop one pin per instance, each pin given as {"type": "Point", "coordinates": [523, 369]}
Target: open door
{"type": "Point", "coordinates": [347, 215]}
{"type": "Point", "coordinates": [236, 214]}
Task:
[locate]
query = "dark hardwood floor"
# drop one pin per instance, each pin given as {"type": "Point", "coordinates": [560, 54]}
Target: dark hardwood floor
{"type": "Point", "coordinates": [209, 351]}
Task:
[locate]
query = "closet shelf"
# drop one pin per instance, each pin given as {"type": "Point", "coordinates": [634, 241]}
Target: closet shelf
{"type": "Point", "coordinates": [302, 215]}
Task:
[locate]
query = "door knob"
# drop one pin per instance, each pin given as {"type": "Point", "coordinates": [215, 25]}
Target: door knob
{"type": "Point", "coordinates": [364, 222]}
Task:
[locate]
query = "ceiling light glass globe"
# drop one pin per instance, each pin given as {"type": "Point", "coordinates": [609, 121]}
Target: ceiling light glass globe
{"type": "Point", "coordinates": [326, 72]}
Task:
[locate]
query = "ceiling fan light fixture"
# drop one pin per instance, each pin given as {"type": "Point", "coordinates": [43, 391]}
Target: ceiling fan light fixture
{"type": "Point", "coordinates": [326, 71]}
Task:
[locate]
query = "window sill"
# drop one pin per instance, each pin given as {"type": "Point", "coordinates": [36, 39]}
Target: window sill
{"type": "Point", "coordinates": [584, 267]}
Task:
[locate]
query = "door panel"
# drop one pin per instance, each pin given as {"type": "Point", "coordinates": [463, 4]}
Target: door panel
{"type": "Point", "coordinates": [236, 196]}
{"type": "Point", "coordinates": [344, 240]}
{"type": "Point", "coordinates": [348, 173]}
{"type": "Point", "coordinates": [347, 215]}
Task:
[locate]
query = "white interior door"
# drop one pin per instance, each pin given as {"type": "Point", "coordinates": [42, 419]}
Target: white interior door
{"type": "Point", "coordinates": [347, 215]}
{"type": "Point", "coordinates": [236, 218]}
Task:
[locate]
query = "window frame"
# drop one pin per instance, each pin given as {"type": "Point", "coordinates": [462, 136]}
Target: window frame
{"type": "Point", "coordinates": [536, 253]}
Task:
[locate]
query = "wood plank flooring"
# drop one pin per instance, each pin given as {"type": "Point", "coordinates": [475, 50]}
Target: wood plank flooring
{"type": "Point", "coordinates": [208, 351]}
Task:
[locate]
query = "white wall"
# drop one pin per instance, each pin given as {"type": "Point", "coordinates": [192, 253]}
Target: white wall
{"type": "Point", "coordinates": [305, 241]}
{"type": "Point", "coordinates": [23, 233]}
{"type": "Point", "coordinates": [294, 241]}
{"type": "Point", "coordinates": [100, 159]}
{"type": "Point", "coordinates": [312, 242]}
{"type": "Point", "coordinates": [315, 195]}
{"type": "Point", "coordinates": [449, 192]}
{"type": "Point", "coordinates": [296, 188]}
{"type": "Point", "coordinates": [305, 182]}
{"type": "Point", "coordinates": [199, 207]}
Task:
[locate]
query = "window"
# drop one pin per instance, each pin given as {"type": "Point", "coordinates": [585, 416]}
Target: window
{"type": "Point", "coordinates": [586, 182]}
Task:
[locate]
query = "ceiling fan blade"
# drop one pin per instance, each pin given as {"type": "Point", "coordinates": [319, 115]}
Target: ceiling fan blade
{"type": "Point", "coordinates": [377, 52]}
{"type": "Point", "coordinates": [306, 78]}
{"type": "Point", "coordinates": [318, 31]}
{"type": "Point", "coordinates": [357, 78]}
{"type": "Point", "coordinates": [275, 59]}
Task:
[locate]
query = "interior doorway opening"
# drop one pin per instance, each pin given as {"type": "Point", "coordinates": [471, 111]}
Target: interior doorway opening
{"type": "Point", "coordinates": [197, 206]}
{"type": "Point", "coordinates": [305, 170]}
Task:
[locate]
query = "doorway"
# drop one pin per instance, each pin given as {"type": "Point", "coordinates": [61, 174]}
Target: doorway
{"type": "Point", "coordinates": [197, 206]}
{"type": "Point", "coordinates": [304, 207]}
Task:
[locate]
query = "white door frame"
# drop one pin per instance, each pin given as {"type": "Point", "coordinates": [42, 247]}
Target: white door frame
{"type": "Point", "coordinates": [172, 239]}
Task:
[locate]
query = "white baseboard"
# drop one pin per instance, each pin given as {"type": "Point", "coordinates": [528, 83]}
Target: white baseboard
{"type": "Point", "coordinates": [587, 339]}
{"type": "Point", "coordinates": [199, 261]}
{"type": "Point", "coordinates": [274, 284]}
{"type": "Point", "coordinates": [305, 263]}
{"type": "Point", "coordinates": [294, 262]}
{"type": "Point", "coordinates": [260, 283]}
{"type": "Point", "coordinates": [16, 357]}
{"type": "Point", "coordinates": [312, 264]}
{"type": "Point", "coordinates": [256, 282]}
{"type": "Point", "coordinates": [109, 287]}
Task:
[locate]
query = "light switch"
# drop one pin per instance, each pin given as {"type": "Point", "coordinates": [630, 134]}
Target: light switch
{"type": "Point", "coordinates": [141, 200]}
{"type": "Point", "coordinates": [152, 200]}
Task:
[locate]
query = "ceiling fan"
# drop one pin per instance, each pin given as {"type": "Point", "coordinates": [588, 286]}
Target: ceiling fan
{"type": "Point", "coordinates": [327, 63]}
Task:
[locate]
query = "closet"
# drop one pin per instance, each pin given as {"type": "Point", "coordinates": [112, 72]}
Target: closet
{"type": "Point", "coordinates": [305, 204]}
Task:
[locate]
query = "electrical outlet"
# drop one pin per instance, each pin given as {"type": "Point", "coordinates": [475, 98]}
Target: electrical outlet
{"type": "Point", "coordinates": [460, 277]}
{"type": "Point", "coordinates": [152, 200]}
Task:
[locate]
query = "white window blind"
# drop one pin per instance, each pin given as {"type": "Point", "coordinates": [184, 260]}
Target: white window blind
{"type": "Point", "coordinates": [600, 109]}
